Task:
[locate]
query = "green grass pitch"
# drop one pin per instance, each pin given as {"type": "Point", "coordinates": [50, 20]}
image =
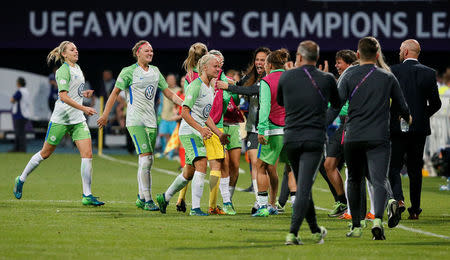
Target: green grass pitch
{"type": "Point", "coordinates": [49, 221]}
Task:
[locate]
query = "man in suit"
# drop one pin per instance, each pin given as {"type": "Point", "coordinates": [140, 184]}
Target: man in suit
{"type": "Point", "coordinates": [418, 84]}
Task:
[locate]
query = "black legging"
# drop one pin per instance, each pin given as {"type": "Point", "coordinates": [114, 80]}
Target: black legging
{"type": "Point", "coordinates": [284, 191]}
{"type": "Point", "coordinates": [370, 159]}
{"type": "Point", "coordinates": [304, 158]}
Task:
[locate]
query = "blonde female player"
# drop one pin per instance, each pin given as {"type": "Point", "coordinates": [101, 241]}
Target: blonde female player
{"type": "Point", "coordinates": [67, 117]}
{"type": "Point", "coordinates": [139, 81]}
{"type": "Point", "coordinates": [196, 51]}
{"type": "Point", "coordinates": [215, 151]}
{"type": "Point", "coordinates": [195, 127]}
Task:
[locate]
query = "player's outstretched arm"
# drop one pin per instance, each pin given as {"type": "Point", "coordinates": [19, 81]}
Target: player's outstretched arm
{"type": "Point", "coordinates": [103, 119]}
{"type": "Point", "coordinates": [69, 101]}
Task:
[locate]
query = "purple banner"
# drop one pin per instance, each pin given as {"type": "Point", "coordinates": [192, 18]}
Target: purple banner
{"type": "Point", "coordinates": [332, 24]}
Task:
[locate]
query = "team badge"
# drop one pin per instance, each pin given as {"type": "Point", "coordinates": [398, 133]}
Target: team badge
{"type": "Point", "coordinates": [80, 90]}
{"type": "Point", "coordinates": [206, 111]}
{"type": "Point", "coordinates": [150, 92]}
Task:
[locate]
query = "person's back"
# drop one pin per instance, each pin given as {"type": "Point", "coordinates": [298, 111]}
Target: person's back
{"type": "Point", "coordinates": [305, 106]}
{"type": "Point", "coordinates": [418, 84]}
{"type": "Point", "coordinates": [368, 111]}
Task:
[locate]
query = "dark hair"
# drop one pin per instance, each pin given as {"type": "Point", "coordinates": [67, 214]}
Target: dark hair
{"type": "Point", "coordinates": [251, 72]}
{"type": "Point", "coordinates": [21, 81]}
{"type": "Point", "coordinates": [278, 58]}
{"type": "Point", "coordinates": [348, 56]}
{"type": "Point", "coordinates": [368, 48]}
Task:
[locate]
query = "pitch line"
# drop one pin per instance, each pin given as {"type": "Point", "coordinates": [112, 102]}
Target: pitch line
{"type": "Point", "coordinates": [414, 230]}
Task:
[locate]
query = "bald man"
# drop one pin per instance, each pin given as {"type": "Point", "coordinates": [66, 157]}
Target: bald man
{"type": "Point", "coordinates": [419, 87]}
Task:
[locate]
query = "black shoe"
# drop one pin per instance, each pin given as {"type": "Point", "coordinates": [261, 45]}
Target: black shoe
{"type": "Point", "coordinates": [181, 207]}
{"type": "Point", "coordinates": [394, 214]}
{"type": "Point", "coordinates": [414, 214]}
{"type": "Point", "coordinates": [249, 189]}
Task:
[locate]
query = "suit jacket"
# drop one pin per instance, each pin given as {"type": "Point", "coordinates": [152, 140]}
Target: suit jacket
{"type": "Point", "coordinates": [419, 87]}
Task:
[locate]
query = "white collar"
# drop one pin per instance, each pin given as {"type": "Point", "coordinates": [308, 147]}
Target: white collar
{"type": "Point", "coordinates": [410, 59]}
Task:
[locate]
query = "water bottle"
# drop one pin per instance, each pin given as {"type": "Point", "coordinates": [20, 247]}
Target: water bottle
{"type": "Point", "coordinates": [404, 125]}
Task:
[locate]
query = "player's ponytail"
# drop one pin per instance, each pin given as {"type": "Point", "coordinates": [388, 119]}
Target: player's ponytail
{"type": "Point", "coordinates": [196, 51]}
{"type": "Point", "coordinates": [56, 53]}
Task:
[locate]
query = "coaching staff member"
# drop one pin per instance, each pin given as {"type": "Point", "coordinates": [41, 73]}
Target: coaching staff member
{"type": "Point", "coordinates": [418, 84]}
{"type": "Point", "coordinates": [305, 93]}
{"type": "Point", "coordinates": [366, 142]}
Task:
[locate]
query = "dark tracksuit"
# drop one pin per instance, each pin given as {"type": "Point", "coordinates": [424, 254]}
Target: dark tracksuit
{"type": "Point", "coordinates": [366, 141]}
{"type": "Point", "coordinates": [304, 133]}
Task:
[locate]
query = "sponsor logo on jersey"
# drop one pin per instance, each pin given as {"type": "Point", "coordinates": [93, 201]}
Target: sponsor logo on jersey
{"type": "Point", "coordinates": [80, 90]}
{"type": "Point", "coordinates": [206, 111]}
{"type": "Point", "coordinates": [150, 92]}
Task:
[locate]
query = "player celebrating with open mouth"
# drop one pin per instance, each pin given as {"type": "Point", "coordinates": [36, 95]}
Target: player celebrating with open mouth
{"type": "Point", "coordinates": [139, 81]}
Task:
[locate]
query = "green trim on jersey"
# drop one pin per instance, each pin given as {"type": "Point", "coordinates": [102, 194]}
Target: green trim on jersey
{"type": "Point", "coordinates": [62, 77]}
{"type": "Point", "coordinates": [140, 89]}
{"type": "Point", "coordinates": [192, 93]}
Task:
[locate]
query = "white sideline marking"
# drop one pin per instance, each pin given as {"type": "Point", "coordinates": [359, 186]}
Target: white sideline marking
{"type": "Point", "coordinates": [422, 232]}
{"type": "Point", "coordinates": [239, 189]}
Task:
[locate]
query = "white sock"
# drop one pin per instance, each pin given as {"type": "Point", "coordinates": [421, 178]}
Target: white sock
{"type": "Point", "coordinates": [34, 162]}
{"type": "Point", "coordinates": [197, 188]}
{"type": "Point", "coordinates": [86, 175]}
{"type": "Point", "coordinates": [292, 199]}
{"type": "Point", "coordinates": [224, 187]}
{"type": "Point", "coordinates": [255, 187]}
{"type": "Point", "coordinates": [231, 188]}
{"type": "Point", "coordinates": [175, 187]}
{"type": "Point", "coordinates": [263, 200]}
{"type": "Point", "coordinates": [141, 192]}
{"type": "Point", "coordinates": [144, 175]}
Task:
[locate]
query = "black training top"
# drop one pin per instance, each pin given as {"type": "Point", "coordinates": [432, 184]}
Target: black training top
{"type": "Point", "coordinates": [305, 105]}
{"type": "Point", "coordinates": [368, 111]}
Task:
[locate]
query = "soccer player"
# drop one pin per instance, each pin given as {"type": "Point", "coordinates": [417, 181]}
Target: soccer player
{"type": "Point", "coordinates": [215, 150]}
{"type": "Point", "coordinates": [335, 150]}
{"type": "Point", "coordinates": [196, 51]}
{"type": "Point", "coordinates": [195, 127]}
{"type": "Point", "coordinates": [67, 117]}
{"type": "Point", "coordinates": [250, 88]}
{"type": "Point", "coordinates": [270, 132]}
{"type": "Point", "coordinates": [139, 81]}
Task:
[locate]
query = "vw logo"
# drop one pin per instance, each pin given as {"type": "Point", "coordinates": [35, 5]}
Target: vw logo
{"type": "Point", "coordinates": [80, 90]}
{"type": "Point", "coordinates": [206, 110]}
{"type": "Point", "coordinates": [149, 92]}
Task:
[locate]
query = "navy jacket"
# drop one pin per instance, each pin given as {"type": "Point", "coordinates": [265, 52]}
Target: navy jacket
{"type": "Point", "coordinates": [419, 87]}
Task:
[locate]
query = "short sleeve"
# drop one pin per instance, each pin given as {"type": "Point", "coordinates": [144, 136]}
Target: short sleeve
{"type": "Point", "coordinates": [192, 94]}
{"type": "Point", "coordinates": [125, 77]}
{"type": "Point", "coordinates": [63, 78]}
{"type": "Point", "coordinates": [162, 83]}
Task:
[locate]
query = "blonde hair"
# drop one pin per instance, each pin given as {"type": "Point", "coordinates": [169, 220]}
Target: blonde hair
{"type": "Point", "coordinates": [203, 61]}
{"type": "Point", "coordinates": [56, 53]}
{"type": "Point", "coordinates": [381, 62]}
{"type": "Point", "coordinates": [137, 46]}
{"type": "Point", "coordinates": [217, 53]}
{"type": "Point", "coordinates": [196, 51]}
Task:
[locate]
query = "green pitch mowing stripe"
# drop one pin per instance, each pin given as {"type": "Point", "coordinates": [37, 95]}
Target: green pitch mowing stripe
{"type": "Point", "coordinates": [49, 221]}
